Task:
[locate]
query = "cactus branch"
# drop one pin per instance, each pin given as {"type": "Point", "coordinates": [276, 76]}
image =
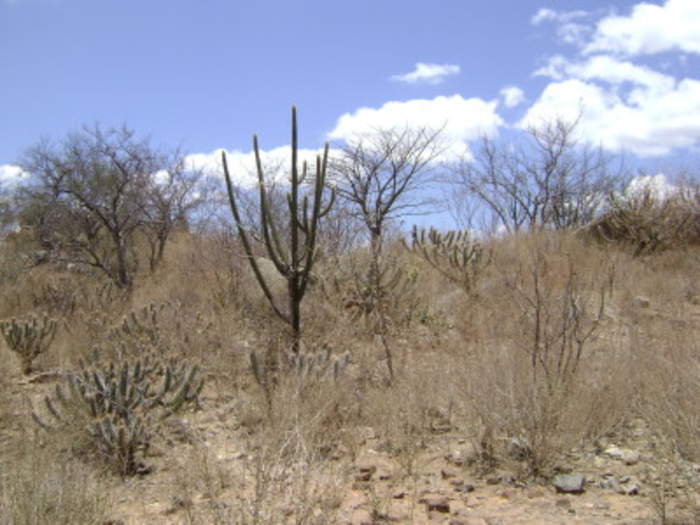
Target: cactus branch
{"type": "Point", "coordinates": [29, 337]}
{"type": "Point", "coordinates": [295, 261]}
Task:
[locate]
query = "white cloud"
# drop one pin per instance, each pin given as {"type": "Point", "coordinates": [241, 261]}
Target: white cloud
{"type": "Point", "coordinates": [427, 73]}
{"type": "Point", "coordinates": [276, 164]}
{"type": "Point", "coordinates": [554, 69]}
{"type": "Point", "coordinates": [651, 119]}
{"type": "Point", "coordinates": [650, 29]}
{"type": "Point", "coordinates": [512, 96]}
{"type": "Point", "coordinates": [572, 33]}
{"type": "Point", "coordinates": [624, 104]}
{"type": "Point", "coordinates": [10, 175]}
{"type": "Point", "coordinates": [462, 120]}
{"type": "Point", "coordinates": [570, 29]}
{"type": "Point", "coordinates": [607, 69]}
{"type": "Point", "coordinates": [543, 15]}
{"type": "Point", "coordinates": [658, 185]}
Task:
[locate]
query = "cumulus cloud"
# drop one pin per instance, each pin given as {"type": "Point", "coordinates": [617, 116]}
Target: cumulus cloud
{"type": "Point", "coordinates": [427, 73]}
{"type": "Point", "coordinates": [545, 14]}
{"type": "Point", "coordinates": [607, 69]}
{"type": "Point", "coordinates": [626, 104]}
{"type": "Point", "coordinates": [241, 165]}
{"type": "Point", "coordinates": [572, 26]}
{"type": "Point", "coordinates": [461, 120]}
{"type": "Point", "coordinates": [512, 96]}
{"type": "Point", "coordinates": [10, 175]}
{"type": "Point", "coordinates": [647, 120]}
{"type": "Point", "coordinates": [650, 29]}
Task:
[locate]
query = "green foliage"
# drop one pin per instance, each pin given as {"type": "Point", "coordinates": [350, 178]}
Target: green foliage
{"type": "Point", "coordinates": [294, 261]}
{"type": "Point", "coordinates": [28, 337]}
{"type": "Point", "coordinates": [117, 406]}
{"type": "Point", "coordinates": [455, 255]}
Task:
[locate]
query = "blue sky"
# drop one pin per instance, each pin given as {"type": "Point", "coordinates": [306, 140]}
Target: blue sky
{"type": "Point", "coordinates": [207, 74]}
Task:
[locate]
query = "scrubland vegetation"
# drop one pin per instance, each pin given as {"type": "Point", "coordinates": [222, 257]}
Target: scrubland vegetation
{"type": "Point", "coordinates": [350, 359]}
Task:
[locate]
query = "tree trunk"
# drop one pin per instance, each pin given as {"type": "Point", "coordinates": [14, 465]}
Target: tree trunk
{"type": "Point", "coordinates": [123, 278]}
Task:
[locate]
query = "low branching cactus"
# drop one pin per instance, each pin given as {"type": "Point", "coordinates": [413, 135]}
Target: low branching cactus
{"type": "Point", "coordinates": [159, 327]}
{"type": "Point", "coordinates": [320, 364]}
{"type": "Point", "coordinates": [311, 366]}
{"type": "Point", "coordinates": [58, 297]}
{"type": "Point", "coordinates": [29, 337]}
{"type": "Point", "coordinates": [121, 405]}
{"type": "Point", "coordinates": [361, 291]}
{"type": "Point", "coordinates": [107, 296]}
{"type": "Point", "coordinates": [142, 325]}
{"type": "Point", "coordinates": [455, 255]}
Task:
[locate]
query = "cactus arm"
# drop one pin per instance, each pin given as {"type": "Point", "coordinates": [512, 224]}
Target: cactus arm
{"type": "Point", "coordinates": [246, 241]}
{"type": "Point", "coordinates": [294, 199]}
{"type": "Point", "coordinates": [269, 226]}
{"type": "Point", "coordinates": [296, 261]}
{"type": "Point", "coordinates": [316, 214]}
{"type": "Point", "coordinates": [453, 254]}
{"type": "Point", "coordinates": [28, 337]}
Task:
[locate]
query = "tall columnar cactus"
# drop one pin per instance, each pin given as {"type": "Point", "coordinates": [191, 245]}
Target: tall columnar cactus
{"type": "Point", "coordinates": [29, 337]}
{"type": "Point", "coordinates": [294, 261]}
{"type": "Point", "coordinates": [454, 254]}
{"type": "Point", "coordinates": [120, 405]}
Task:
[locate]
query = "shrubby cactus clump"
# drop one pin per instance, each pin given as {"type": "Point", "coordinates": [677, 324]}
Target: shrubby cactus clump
{"type": "Point", "coordinates": [308, 366]}
{"type": "Point", "coordinates": [28, 337]}
{"type": "Point", "coordinates": [455, 255]}
{"type": "Point", "coordinates": [118, 406]}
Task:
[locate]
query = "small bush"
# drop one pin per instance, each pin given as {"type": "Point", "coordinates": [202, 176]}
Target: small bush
{"type": "Point", "coordinates": [533, 384]}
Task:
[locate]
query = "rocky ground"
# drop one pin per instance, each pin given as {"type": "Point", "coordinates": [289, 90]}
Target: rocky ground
{"type": "Point", "coordinates": [203, 474]}
{"type": "Point", "coordinates": [616, 482]}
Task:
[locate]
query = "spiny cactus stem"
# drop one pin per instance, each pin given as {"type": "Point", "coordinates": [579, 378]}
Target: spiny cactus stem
{"type": "Point", "coordinates": [295, 261]}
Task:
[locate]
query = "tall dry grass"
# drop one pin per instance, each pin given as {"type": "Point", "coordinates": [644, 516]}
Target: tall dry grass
{"type": "Point", "coordinates": [560, 342]}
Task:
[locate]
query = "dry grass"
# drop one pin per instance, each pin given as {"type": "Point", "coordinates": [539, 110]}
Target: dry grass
{"type": "Point", "coordinates": [41, 485]}
{"type": "Point", "coordinates": [559, 343]}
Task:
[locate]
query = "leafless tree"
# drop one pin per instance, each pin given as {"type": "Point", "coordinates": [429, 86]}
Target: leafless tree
{"type": "Point", "coordinates": [90, 195]}
{"type": "Point", "coordinates": [340, 232]}
{"type": "Point", "coordinates": [169, 199]}
{"type": "Point", "coordinates": [6, 209]}
{"type": "Point", "coordinates": [380, 174]}
{"type": "Point", "coordinates": [551, 180]}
